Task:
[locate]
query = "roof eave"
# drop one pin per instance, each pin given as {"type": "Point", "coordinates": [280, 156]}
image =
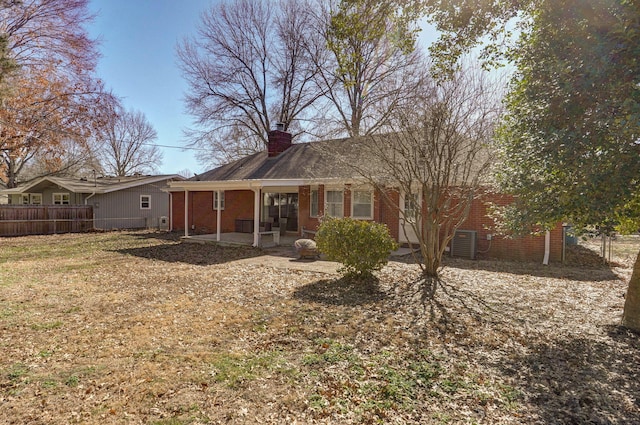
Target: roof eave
{"type": "Point", "coordinates": [181, 186]}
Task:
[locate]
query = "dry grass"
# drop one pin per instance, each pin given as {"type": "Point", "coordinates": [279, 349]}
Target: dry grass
{"type": "Point", "coordinates": [129, 328]}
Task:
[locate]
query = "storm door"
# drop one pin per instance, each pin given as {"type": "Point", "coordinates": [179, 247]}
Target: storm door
{"type": "Point", "coordinates": [409, 217]}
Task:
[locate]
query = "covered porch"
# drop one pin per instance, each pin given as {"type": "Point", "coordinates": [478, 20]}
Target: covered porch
{"type": "Point", "coordinates": [248, 212]}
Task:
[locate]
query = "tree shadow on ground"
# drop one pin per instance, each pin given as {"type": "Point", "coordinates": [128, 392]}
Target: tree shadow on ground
{"type": "Point", "coordinates": [157, 235]}
{"type": "Point", "coordinates": [344, 291]}
{"type": "Point", "coordinates": [192, 253]}
{"type": "Point", "coordinates": [558, 377]}
{"type": "Point", "coordinates": [443, 307]}
{"type": "Point", "coordinates": [579, 380]}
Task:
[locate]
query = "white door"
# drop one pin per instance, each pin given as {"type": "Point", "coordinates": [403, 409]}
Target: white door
{"type": "Point", "coordinates": [408, 205]}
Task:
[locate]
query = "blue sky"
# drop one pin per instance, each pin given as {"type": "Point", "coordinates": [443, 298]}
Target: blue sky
{"type": "Point", "coordinates": [138, 45]}
{"type": "Point", "coordinates": [138, 42]}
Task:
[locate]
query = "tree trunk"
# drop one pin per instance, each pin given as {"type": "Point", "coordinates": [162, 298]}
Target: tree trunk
{"type": "Point", "coordinates": [631, 315]}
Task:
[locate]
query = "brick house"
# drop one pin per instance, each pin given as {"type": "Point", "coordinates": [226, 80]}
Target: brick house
{"type": "Point", "coordinates": [289, 187]}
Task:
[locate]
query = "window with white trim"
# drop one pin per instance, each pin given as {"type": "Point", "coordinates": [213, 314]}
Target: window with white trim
{"type": "Point", "coordinates": [313, 203]}
{"type": "Point", "coordinates": [61, 199]}
{"type": "Point", "coordinates": [145, 202]}
{"type": "Point", "coordinates": [25, 199]}
{"type": "Point", "coordinates": [218, 203]}
{"type": "Point", "coordinates": [334, 201]}
{"type": "Point", "coordinates": [35, 198]}
{"type": "Point", "coordinates": [362, 204]}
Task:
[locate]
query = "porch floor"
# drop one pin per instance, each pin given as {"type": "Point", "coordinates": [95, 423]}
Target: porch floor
{"type": "Point", "coordinates": [242, 239]}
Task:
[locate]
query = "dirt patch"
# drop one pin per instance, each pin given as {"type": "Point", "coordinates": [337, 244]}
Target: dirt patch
{"type": "Point", "coordinates": [137, 328]}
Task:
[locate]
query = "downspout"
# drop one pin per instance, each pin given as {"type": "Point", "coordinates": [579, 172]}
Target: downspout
{"type": "Point", "coordinates": [547, 247]}
{"type": "Point", "coordinates": [88, 197]}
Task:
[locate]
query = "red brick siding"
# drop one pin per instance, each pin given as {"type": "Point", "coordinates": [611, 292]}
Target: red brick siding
{"type": "Point", "coordinates": [387, 211]}
{"type": "Point", "coordinates": [239, 204]}
{"type": "Point", "coordinates": [304, 208]}
{"type": "Point", "coordinates": [177, 210]}
{"type": "Point", "coordinates": [528, 248]}
{"type": "Point", "coordinates": [202, 216]}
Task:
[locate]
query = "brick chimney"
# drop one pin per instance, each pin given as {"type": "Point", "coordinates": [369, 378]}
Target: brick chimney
{"type": "Point", "coordinates": [278, 141]}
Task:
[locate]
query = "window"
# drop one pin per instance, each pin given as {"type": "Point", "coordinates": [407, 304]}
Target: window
{"type": "Point", "coordinates": [362, 204]}
{"type": "Point", "coordinates": [334, 200]}
{"type": "Point", "coordinates": [145, 202]}
{"type": "Point", "coordinates": [61, 199]}
{"type": "Point", "coordinates": [218, 202]}
{"type": "Point", "coordinates": [313, 207]}
{"type": "Point", "coordinates": [35, 198]}
{"type": "Point", "coordinates": [25, 199]}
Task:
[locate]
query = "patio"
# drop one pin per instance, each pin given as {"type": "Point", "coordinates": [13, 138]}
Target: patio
{"type": "Point", "coordinates": [242, 239]}
{"type": "Point", "coordinates": [246, 239]}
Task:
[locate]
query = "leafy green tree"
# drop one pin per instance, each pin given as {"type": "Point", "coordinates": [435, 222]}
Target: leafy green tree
{"type": "Point", "coordinates": [570, 142]}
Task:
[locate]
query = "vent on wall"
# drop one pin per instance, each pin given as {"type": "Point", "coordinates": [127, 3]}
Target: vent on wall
{"type": "Point", "coordinates": [463, 244]}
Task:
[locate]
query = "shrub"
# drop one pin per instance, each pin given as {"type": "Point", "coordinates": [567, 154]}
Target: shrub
{"type": "Point", "coordinates": [360, 246]}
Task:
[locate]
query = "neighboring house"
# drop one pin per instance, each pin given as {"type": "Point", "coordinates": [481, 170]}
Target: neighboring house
{"type": "Point", "coordinates": [291, 186]}
{"type": "Point", "coordinates": [118, 202]}
{"type": "Point", "coordinates": [4, 199]}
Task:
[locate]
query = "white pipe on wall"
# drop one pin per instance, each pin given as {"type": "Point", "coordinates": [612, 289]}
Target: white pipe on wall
{"type": "Point", "coordinates": [547, 247]}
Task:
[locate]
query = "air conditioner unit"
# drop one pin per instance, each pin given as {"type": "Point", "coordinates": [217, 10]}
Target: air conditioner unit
{"type": "Point", "coordinates": [463, 244]}
{"type": "Point", "coordinates": [164, 223]}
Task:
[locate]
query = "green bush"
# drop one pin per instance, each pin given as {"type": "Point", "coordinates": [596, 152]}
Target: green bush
{"type": "Point", "coordinates": [360, 246]}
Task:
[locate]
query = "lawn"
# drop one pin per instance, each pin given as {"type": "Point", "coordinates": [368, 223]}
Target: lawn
{"type": "Point", "coordinates": [136, 328]}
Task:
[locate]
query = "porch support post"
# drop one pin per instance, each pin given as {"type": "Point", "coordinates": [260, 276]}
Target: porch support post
{"type": "Point", "coordinates": [186, 213]}
{"type": "Point", "coordinates": [256, 217]}
{"type": "Point", "coordinates": [171, 211]}
{"type": "Point", "coordinates": [218, 215]}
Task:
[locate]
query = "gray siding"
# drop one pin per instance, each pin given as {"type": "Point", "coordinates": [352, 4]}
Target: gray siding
{"type": "Point", "coordinates": [47, 197]}
{"type": "Point", "coordinates": [121, 209]}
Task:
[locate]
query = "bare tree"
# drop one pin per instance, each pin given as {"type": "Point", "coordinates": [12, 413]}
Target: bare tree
{"type": "Point", "coordinates": [370, 65]}
{"type": "Point", "coordinates": [248, 69]}
{"type": "Point", "coordinates": [127, 145]}
{"type": "Point", "coordinates": [437, 156]}
{"type": "Point", "coordinates": [69, 159]}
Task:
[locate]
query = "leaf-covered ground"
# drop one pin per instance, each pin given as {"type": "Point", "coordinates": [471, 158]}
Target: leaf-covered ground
{"type": "Point", "coordinates": [136, 328]}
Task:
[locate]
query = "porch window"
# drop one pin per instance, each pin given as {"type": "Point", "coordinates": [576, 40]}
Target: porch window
{"type": "Point", "coordinates": [313, 207]}
{"type": "Point", "coordinates": [61, 199]}
{"type": "Point", "coordinates": [334, 203]}
{"type": "Point", "coordinates": [145, 202]}
{"type": "Point", "coordinates": [218, 204]}
{"type": "Point", "coordinates": [362, 204]}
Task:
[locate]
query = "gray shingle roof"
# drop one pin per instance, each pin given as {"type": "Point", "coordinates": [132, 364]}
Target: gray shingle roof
{"type": "Point", "coordinates": [99, 185]}
{"type": "Point", "coordinates": [300, 161]}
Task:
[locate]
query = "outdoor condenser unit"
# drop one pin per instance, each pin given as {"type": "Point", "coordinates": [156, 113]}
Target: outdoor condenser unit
{"type": "Point", "coordinates": [463, 244]}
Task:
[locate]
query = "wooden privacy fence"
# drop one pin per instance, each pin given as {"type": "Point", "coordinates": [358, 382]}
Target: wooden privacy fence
{"type": "Point", "coordinates": [20, 220]}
